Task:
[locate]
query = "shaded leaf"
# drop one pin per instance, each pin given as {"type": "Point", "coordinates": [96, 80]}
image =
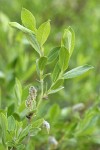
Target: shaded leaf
{"type": "Point", "coordinates": [18, 129]}
{"type": "Point", "coordinates": [53, 54]}
{"type": "Point", "coordinates": [11, 109]}
{"type": "Point", "coordinates": [18, 91]}
{"type": "Point", "coordinates": [37, 123]}
{"type": "Point", "coordinates": [21, 147]}
{"type": "Point", "coordinates": [24, 132]}
{"type": "Point", "coordinates": [11, 123]}
{"type": "Point", "coordinates": [54, 113]}
{"type": "Point", "coordinates": [56, 72]}
{"type": "Point", "coordinates": [34, 131]}
{"type": "Point", "coordinates": [57, 84]}
{"type": "Point", "coordinates": [45, 75]}
{"type": "Point", "coordinates": [56, 90]}
{"type": "Point", "coordinates": [33, 41]}
{"type": "Point", "coordinates": [42, 62]}
{"type": "Point", "coordinates": [63, 58]}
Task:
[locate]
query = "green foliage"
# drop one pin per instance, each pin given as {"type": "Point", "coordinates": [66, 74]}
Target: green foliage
{"type": "Point", "coordinates": [11, 123]}
{"type": "Point", "coordinates": [28, 19]}
{"type": "Point", "coordinates": [53, 54]}
{"type": "Point", "coordinates": [29, 34]}
{"type": "Point", "coordinates": [63, 58]}
{"type": "Point", "coordinates": [42, 62]}
{"type": "Point", "coordinates": [18, 91]}
{"type": "Point", "coordinates": [4, 127]}
{"type": "Point", "coordinates": [77, 71]}
{"type": "Point", "coordinates": [68, 40]}
{"type": "Point", "coordinates": [24, 109]}
{"type": "Point", "coordinates": [43, 32]}
{"type": "Point", "coordinates": [56, 72]}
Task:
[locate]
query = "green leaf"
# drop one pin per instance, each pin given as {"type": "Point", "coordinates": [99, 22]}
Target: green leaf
{"type": "Point", "coordinates": [77, 71]}
{"type": "Point", "coordinates": [68, 40]}
{"type": "Point", "coordinates": [19, 27]}
{"type": "Point", "coordinates": [28, 19]}
{"type": "Point", "coordinates": [86, 126]}
{"type": "Point", "coordinates": [34, 43]}
{"type": "Point", "coordinates": [21, 147]}
{"type": "Point", "coordinates": [45, 75]}
{"type": "Point", "coordinates": [29, 35]}
{"type": "Point", "coordinates": [11, 123]}
{"type": "Point", "coordinates": [53, 54]}
{"type": "Point", "coordinates": [42, 62]}
{"type": "Point", "coordinates": [34, 131]}
{"type": "Point", "coordinates": [57, 84]}
{"type": "Point", "coordinates": [54, 113]}
{"type": "Point", "coordinates": [63, 58]}
{"type": "Point", "coordinates": [56, 72]}
{"type": "Point", "coordinates": [18, 91]}
{"type": "Point", "coordinates": [11, 109]}
{"type": "Point", "coordinates": [43, 32]}
{"type": "Point", "coordinates": [28, 73]}
{"type": "Point", "coordinates": [37, 123]}
{"type": "Point", "coordinates": [24, 132]}
{"type": "Point", "coordinates": [56, 90]}
{"type": "Point", "coordinates": [18, 128]}
{"type": "Point", "coordinates": [4, 127]}
{"type": "Point", "coordinates": [17, 116]}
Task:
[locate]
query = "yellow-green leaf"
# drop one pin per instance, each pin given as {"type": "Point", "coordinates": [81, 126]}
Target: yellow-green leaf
{"type": "Point", "coordinates": [43, 32]}
{"type": "Point", "coordinates": [28, 19]}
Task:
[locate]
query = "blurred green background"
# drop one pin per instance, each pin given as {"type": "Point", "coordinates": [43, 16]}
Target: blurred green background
{"type": "Point", "coordinates": [17, 58]}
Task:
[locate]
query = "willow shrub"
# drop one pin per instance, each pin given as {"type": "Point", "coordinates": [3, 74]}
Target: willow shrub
{"type": "Point", "coordinates": [15, 132]}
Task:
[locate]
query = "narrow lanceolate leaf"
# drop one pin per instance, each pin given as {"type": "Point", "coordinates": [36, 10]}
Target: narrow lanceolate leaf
{"type": "Point", "coordinates": [56, 90]}
{"type": "Point", "coordinates": [11, 123]}
{"type": "Point", "coordinates": [63, 58]}
{"type": "Point", "coordinates": [34, 43]}
{"type": "Point", "coordinates": [28, 19]}
{"type": "Point", "coordinates": [19, 27]}
{"type": "Point", "coordinates": [34, 131]}
{"type": "Point", "coordinates": [56, 72]}
{"type": "Point", "coordinates": [53, 54]}
{"type": "Point", "coordinates": [24, 132]}
{"type": "Point", "coordinates": [37, 123]}
{"type": "Point", "coordinates": [4, 127]}
{"type": "Point", "coordinates": [18, 91]}
{"type": "Point", "coordinates": [21, 147]}
{"type": "Point", "coordinates": [57, 84]}
{"type": "Point", "coordinates": [68, 40]}
{"type": "Point", "coordinates": [54, 113]}
{"type": "Point", "coordinates": [42, 62]}
{"type": "Point", "coordinates": [77, 71]}
{"type": "Point", "coordinates": [29, 35]}
{"type": "Point", "coordinates": [43, 32]}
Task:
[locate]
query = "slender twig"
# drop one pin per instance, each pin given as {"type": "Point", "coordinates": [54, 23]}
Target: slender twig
{"type": "Point", "coordinates": [41, 95]}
